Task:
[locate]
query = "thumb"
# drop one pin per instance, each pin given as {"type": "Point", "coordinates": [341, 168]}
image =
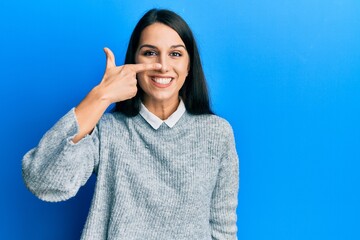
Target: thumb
{"type": "Point", "coordinates": [110, 58]}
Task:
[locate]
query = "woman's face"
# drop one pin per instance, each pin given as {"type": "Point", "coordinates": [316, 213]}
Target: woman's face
{"type": "Point", "coordinates": [161, 44]}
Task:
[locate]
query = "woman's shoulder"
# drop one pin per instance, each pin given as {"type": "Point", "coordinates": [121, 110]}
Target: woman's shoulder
{"type": "Point", "coordinates": [111, 118]}
{"type": "Point", "coordinates": [212, 119]}
{"type": "Point", "coordinates": [214, 123]}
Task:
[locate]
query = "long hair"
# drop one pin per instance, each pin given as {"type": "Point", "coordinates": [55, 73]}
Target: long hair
{"type": "Point", "coordinates": [194, 92]}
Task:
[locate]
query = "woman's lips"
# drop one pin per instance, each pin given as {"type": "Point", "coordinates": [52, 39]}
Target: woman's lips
{"type": "Point", "coordinates": [162, 82]}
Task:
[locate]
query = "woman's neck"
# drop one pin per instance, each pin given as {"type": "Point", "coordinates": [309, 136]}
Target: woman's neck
{"type": "Point", "coordinates": [162, 110]}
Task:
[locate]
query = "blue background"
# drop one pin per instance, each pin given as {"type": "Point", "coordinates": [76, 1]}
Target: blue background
{"type": "Point", "coordinates": [286, 74]}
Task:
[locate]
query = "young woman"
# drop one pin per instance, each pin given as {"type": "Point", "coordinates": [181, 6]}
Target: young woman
{"type": "Point", "coordinates": [166, 166]}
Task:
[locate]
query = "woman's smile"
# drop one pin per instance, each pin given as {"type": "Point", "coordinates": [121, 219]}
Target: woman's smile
{"type": "Point", "coordinates": [162, 81]}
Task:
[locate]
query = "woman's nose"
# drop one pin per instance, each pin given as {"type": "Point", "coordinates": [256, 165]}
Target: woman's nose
{"type": "Point", "coordinates": [165, 65]}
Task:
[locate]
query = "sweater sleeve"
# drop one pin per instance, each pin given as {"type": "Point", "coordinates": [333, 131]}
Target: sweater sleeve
{"type": "Point", "coordinates": [56, 169]}
{"type": "Point", "coordinates": [225, 195]}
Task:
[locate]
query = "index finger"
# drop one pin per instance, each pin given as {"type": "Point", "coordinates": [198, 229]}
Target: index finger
{"type": "Point", "coordinates": [141, 67]}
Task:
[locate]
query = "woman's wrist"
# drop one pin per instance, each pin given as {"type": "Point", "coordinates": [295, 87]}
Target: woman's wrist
{"type": "Point", "coordinates": [97, 94]}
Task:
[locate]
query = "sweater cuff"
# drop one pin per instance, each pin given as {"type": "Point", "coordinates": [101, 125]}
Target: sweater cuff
{"type": "Point", "coordinates": [69, 126]}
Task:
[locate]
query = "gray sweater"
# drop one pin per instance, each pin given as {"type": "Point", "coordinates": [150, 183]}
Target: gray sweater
{"type": "Point", "coordinates": [170, 183]}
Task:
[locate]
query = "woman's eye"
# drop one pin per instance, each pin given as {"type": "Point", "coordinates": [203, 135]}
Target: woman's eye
{"type": "Point", "coordinates": [176, 54]}
{"type": "Point", "coordinates": [149, 53]}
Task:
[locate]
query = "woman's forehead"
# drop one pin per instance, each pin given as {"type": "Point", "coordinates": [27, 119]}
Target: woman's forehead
{"type": "Point", "coordinates": [158, 34]}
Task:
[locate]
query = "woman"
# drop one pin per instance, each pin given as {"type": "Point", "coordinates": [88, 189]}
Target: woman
{"type": "Point", "coordinates": [166, 166]}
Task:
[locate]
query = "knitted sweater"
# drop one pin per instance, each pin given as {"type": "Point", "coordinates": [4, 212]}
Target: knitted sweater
{"type": "Point", "coordinates": [170, 183]}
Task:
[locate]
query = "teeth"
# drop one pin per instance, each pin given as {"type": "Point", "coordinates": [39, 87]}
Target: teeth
{"type": "Point", "coordinates": [162, 80]}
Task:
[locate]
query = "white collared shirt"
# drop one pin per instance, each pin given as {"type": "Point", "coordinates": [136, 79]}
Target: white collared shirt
{"type": "Point", "coordinates": [156, 122]}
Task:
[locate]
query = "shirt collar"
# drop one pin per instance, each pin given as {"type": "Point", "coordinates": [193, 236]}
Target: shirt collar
{"type": "Point", "coordinates": [155, 122]}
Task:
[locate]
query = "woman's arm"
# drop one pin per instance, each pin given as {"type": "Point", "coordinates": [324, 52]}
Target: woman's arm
{"type": "Point", "coordinates": [57, 168]}
{"type": "Point", "coordinates": [69, 152]}
{"type": "Point", "coordinates": [225, 195]}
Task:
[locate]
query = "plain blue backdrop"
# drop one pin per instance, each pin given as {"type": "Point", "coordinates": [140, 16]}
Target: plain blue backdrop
{"type": "Point", "coordinates": [286, 75]}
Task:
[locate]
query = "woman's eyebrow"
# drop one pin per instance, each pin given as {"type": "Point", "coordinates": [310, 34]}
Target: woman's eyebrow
{"type": "Point", "coordinates": [148, 46]}
{"type": "Point", "coordinates": [154, 47]}
{"type": "Point", "coordinates": [179, 45]}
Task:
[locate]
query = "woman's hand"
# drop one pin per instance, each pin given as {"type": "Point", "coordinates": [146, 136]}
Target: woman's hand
{"type": "Point", "coordinates": [119, 82]}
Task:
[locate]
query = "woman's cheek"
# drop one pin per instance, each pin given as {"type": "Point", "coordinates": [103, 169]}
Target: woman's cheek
{"type": "Point", "coordinates": [140, 77]}
{"type": "Point", "coordinates": [182, 67]}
